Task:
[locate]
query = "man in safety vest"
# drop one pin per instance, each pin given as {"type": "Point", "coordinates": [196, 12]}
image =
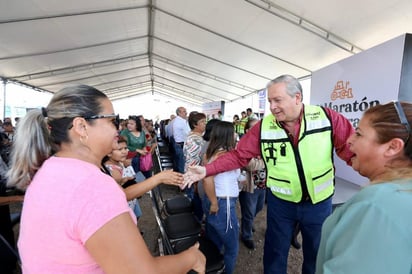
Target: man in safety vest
{"type": "Point", "coordinates": [243, 121]}
{"type": "Point", "coordinates": [296, 141]}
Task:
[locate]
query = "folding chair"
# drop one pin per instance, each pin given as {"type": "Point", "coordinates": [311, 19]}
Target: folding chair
{"type": "Point", "coordinates": [165, 159]}
{"type": "Point", "coordinates": [175, 239]}
{"type": "Point", "coordinates": [177, 204]}
{"type": "Point", "coordinates": [178, 226]}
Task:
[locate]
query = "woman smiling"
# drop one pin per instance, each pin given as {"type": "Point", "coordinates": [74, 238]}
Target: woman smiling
{"type": "Point", "coordinates": [371, 233]}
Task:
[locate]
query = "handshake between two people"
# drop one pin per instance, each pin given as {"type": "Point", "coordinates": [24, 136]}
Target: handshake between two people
{"type": "Point", "coordinates": [192, 175]}
{"type": "Point", "coordinates": [170, 177]}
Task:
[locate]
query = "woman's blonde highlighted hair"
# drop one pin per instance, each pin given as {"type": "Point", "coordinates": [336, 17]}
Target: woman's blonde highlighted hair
{"type": "Point", "coordinates": [41, 132]}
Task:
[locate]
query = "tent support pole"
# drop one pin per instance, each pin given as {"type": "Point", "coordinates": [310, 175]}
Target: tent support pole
{"type": "Point", "coordinates": [4, 96]}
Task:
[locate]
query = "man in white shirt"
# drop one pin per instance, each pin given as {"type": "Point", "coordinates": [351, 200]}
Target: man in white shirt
{"type": "Point", "coordinates": [169, 127]}
{"type": "Point", "coordinates": [180, 131]}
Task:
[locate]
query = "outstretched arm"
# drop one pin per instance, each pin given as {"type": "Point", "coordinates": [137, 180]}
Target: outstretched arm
{"type": "Point", "coordinates": [168, 177]}
{"type": "Point", "coordinates": [192, 175]}
{"type": "Point", "coordinates": [247, 148]}
{"type": "Point", "coordinates": [6, 200]}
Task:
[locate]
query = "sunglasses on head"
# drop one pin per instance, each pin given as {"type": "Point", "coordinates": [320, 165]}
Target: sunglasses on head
{"type": "Point", "coordinates": [403, 119]}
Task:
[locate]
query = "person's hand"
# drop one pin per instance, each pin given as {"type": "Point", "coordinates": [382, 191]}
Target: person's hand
{"type": "Point", "coordinates": [170, 177]}
{"type": "Point", "coordinates": [127, 162]}
{"type": "Point", "coordinates": [200, 259]}
{"type": "Point", "coordinates": [193, 174]}
{"type": "Point", "coordinates": [214, 208]}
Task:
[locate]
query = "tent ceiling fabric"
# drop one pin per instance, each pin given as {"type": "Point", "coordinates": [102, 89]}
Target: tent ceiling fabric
{"type": "Point", "coordinates": [198, 51]}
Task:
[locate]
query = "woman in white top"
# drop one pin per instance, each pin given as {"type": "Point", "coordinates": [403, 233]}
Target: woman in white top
{"type": "Point", "coordinates": [222, 191]}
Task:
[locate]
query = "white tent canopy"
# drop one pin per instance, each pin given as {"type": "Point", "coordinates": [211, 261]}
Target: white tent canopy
{"type": "Point", "coordinates": [193, 50]}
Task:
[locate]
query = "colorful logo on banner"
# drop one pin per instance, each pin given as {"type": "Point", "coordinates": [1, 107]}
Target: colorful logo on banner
{"type": "Point", "coordinates": [341, 91]}
{"type": "Point", "coordinates": [341, 100]}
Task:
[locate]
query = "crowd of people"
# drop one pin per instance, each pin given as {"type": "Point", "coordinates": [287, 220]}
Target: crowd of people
{"type": "Point", "coordinates": [79, 166]}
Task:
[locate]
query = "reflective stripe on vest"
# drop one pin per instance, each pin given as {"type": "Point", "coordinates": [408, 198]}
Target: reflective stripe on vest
{"type": "Point", "coordinates": [323, 186]}
{"type": "Point", "coordinates": [286, 191]}
{"type": "Point", "coordinates": [311, 163]}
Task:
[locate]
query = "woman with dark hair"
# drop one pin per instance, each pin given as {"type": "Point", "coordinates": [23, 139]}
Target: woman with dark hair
{"type": "Point", "coordinates": [136, 141]}
{"type": "Point", "coordinates": [371, 232]}
{"type": "Point", "coordinates": [206, 137]}
{"type": "Point", "coordinates": [209, 126]}
{"type": "Point", "coordinates": [222, 191]}
{"type": "Point", "coordinates": [75, 218]}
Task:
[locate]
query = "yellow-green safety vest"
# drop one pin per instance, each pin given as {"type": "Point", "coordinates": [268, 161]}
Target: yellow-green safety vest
{"type": "Point", "coordinates": [310, 165]}
{"type": "Point", "coordinates": [243, 123]}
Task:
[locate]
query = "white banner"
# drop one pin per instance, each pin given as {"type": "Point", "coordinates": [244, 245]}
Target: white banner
{"type": "Point", "coordinates": [355, 84]}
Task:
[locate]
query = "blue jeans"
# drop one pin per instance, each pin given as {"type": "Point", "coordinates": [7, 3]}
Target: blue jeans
{"type": "Point", "coordinates": [171, 145]}
{"type": "Point", "coordinates": [224, 234]}
{"type": "Point", "coordinates": [179, 158]}
{"type": "Point", "coordinates": [136, 163]}
{"type": "Point", "coordinates": [281, 219]}
{"type": "Point", "coordinates": [197, 202]}
{"type": "Point", "coordinates": [250, 205]}
{"type": "Point", "coordinates": [135, 206]}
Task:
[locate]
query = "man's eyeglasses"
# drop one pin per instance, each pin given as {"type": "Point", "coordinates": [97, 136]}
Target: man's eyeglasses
{"type": "Point", "coordinates": [115, 120]}
{"type": "Point", "coordinates": [403, 119]}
